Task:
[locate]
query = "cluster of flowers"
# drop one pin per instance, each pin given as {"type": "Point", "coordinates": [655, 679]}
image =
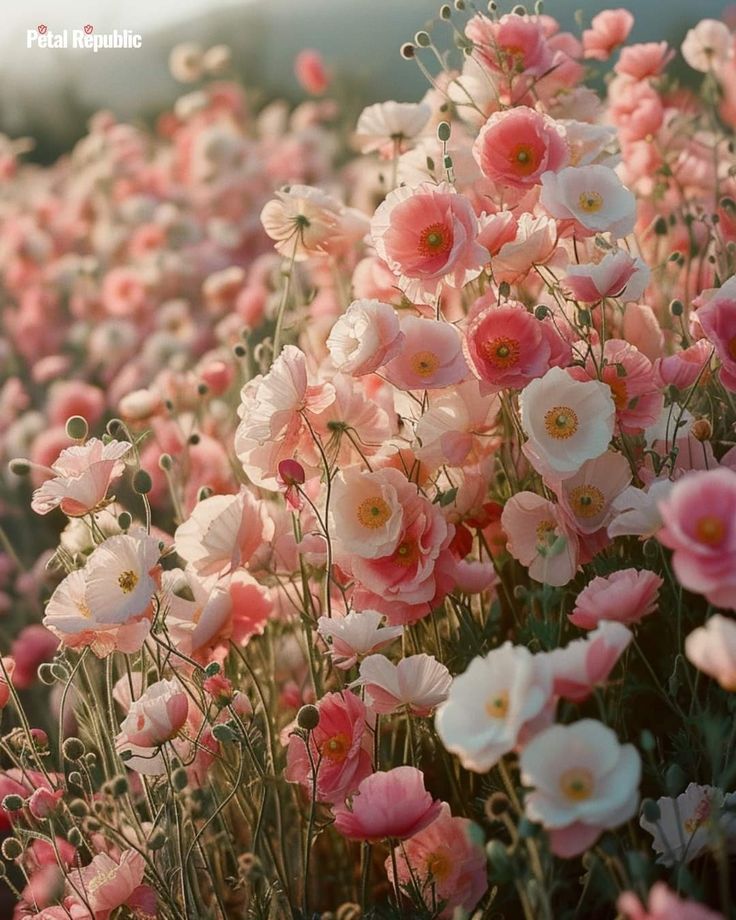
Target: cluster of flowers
{"type": "Point", "coordinates": [438, 608]}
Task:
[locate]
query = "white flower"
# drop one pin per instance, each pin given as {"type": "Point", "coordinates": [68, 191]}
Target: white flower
{"type": "Point", "coordinates": [194, 623]}
{"type": "Point", "coordinates": [708, 45]}
{"type": "Point", "coordinates": [688, 825]}
{"type": "Point", "coordinates": [385, 123]}
{"type": "Point", "coordinates": [636, 511]}
{"type": "Point", "coordinates": [567, 421]}
{"type": "Point", "coordinates": [593, 196]}
{"type": "Point", "coordinates": [120, 577]}
{"type": "Point", "coordinates": [366, 515]}
{"type": "Point", "coordinates": [491, 703]}
{"type": "Point", "coordinates": [580, 775]}
{"type": "Point", "coordinates": [419, 682]}
{"type": "Point", "coordinates": [356, 635]}
{"type": "Point", "coordinates": [366, 336]}
{"type": "Point", "coordinates": [301, 221]}
{"type": "Point", "coordinates": [712, 649]}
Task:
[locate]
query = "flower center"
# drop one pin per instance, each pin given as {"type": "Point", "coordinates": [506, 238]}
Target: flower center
{"type": "Point", "coordinates": [587, 501]}
{"type": "Point", "coordinates": [435, 240]}
{"type": "Point", "coordinates": [732, 347]}
{"type": "Point", "coordinates": [561, 422]}
{"type": "Point", "coordinates": [501, 352]}
{"type": "Point", "coordinates": [619, 392]}
{"type": "Point", "coordinates": [439, 865]}
{"type": "Point", "coordinates": [336, 748]}
{"type": "Point", "coordinates": [710, 529]}
{"type": "Point", "coordinates": [497, 705]}
{"type": "Point", "coordinates": [699, 817]}
{"type": "Point", "coordinates": [127, 581]}
{"type": "Point", "coordinates": [406, 553]}
{"type": "Point", "coordinates": [524, 159]}
{"type": "Point", "coordinates": [545, 532]}
{"type": "Point", "coordinates": [577, 784]}
{"type": "Point", "coordinates": [373, 512]}
{"type": "Point", "coordinates": [590, 202]}
{"type": "Point", "coordinates": [424, 363]}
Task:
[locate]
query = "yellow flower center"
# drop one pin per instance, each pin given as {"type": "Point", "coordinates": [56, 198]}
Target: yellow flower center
{"type": "Point", "coordinates": [619, 392]}
{"type": "Point", "coordinates": [439, 865]}
{"type": "Point", "coordinates": [435, 240]}
{"type": "Point", "coordinates": [577, 784]}
{"type": "Point", "coordinates": [424, 363]}
{"type": "Point", "coordinates": [561, 422]}
{"type": "Point", "coordinates": [587, 501]}
{"type": "Point", "coordinates": [524, 159]}
{"type": "Point", "coordinates": [373, 512]}
{"type": "Point", "coordinates": [732, 347]}
{"type": "Point", "coordinates": [545, 531]}
{"type": "Point", "coordinates": [127, 581]}
{"type": "Point", "coordinates": [710, 530]}
{"type": "Point", "coordinates": [497, 705]}
{"type": "Point", "coordinates": [590, 202]}
{"type": "Point", "coordinates": [501, 352]}
{"type": "Point", "coordinates": [336, 748]}
{"type": "Point", "coordinates": [406, 553]}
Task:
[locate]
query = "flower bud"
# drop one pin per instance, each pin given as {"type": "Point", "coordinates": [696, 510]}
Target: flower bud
{"type": "Point", "coordinates": [179, 779]}
{"type": "Point", "coordinates": [77, 428]}
{"type": "Point", "coordinates": [12, 803]}
{"type": "Point", "coordinates": [19, 467]}
{"type": "Point", "coordinates": [701, 429]}
{"type": "Point", "coordinates": [73, 749]}
{"type": "Point", "coordinates": [157, 839]}
{"type": "Point", "coordinates": [142, 482]}
{"type": "Point", "coordinates": [165, 462]}
{"type": "Point", "coordinates": [75, 837]}
{"type": "Point", "coordinates": [125, 519]}
{"type": "Point", "coordinates": [308, 717]}
{"type": "Point", "coordinates": [12, 848]}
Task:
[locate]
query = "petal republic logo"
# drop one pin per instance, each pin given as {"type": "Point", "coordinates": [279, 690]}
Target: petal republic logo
{"type": "Point", "coordinates": [83, 39]}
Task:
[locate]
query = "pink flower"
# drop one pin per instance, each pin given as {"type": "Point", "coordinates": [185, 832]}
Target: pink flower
{"type": "Point", "coordinates": [712, 649]}
{"type": "Point", "coordinates": [608, 30]}
{"type": "Point", "coordinates": [6, 677]}
{"type": "Point", "coordinates": [699, 525]}
{"type": "Point", "coordinates": [540, 538]}
{"type": "Point", "coordinates": [635, 108]}
{"type": "Point", "coordinates": [419, 682]}
{"type": "Point", "coordinates": [155, 717]}
{"type": "Point", "coordinates": [366, 336]}
{"type": "Point", "coordinates": [585, 663]}
{"type": "Point", "coordinates": [43, 803]}
{"type": "Point", "coordinates": [428, 237]}
{"type": "Point", "coordinates": [310, 71]}
{"type": "Point", "coordinates": [356, 635]}
{"type": "Point", "coordinates": [588, 496]}
{"type": "Point", "coordinates": [199, 612]}
{"type": "Point", "coordinates": [430, 356]}
{"type": "Point", "coordinates": [109, 883]}
{"type": "Point", "coordinates": [645, 60]}
{"type": "Point", "coordinates": [717, 318]}
{"type": "Point", "coordinates": [663, 904]}
{"type": "Point", "coordinates": [626, 596]}
{"type": "Point", "coordinates": [446, 861]}
{"type": "Point", "coordinates": [616, 275]}
{"type": "Point", "coordinates": [124, 293]}
{"type": "Point", "coordinates": [393, 805]}
{"type": "Point", "coordinates": [82, 477]}
{"type": "Point", "coordinates": [339, 746]}
{"type": "Point", "coordinates": [517, 145]}
{"type": "Point", "coordinates": [302, 221]}
{"type": "Point", "coordinates": [534, 243]}
{"type": "Point", "coordinates": [685, 367]}
{"type": "Point", "coordinates": [506, 346]}
{"type": "Point", "coordinates": [386, 126]}
{"type": "Point", "coordinates": [512, 44]}
{"type": "Point", "coordinates": [707, 46]}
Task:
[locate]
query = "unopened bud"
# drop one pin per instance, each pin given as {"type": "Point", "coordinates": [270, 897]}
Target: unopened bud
{"type": "Point", "coordinates": [19, 467]}
{"type": "Point", "coordinates": [142, 482]}
{"type": "Point", "coordinates": [77, 428]}
{"type": "Point", "coordinates": [308, 717]}
{"type": "Point", "coordinates": [701, 429]}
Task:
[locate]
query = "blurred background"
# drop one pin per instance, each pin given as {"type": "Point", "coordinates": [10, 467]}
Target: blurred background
{"type": "Point", "coordinates": [49, 94]}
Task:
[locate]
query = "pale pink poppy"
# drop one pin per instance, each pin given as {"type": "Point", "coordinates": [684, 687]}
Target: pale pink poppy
{"type": "Point", "coordinates": [535, 243]}
{"type": "Point", "coordinates": [539, 536]}
{"type": "Point", "coordinates": [446, 861]}
{"type": "Point", "coordinates": [506, 346]}
{"type": "Point", "coordinates": [427, 235]}
{"type": "Point", "coordinates": [75, 397]}
{"type": "Point", "coordinates": [83, 474]}
{"type": "Point", "coordinates": [583, 782]}
{"type": "Point", "coordinates": [301, 221]}
{"type": "Point", "coordinates": [494, 705]}
{"type": "Point", "coordinates": [497, 229]}
{"type": "Point", "coordinates": [124, 292]}
{"type": "Point", "coordinates": [252, 607]}
{"type": "Point", "coordinates": [155, 717]}
{"type": "Point", "coordinates": [511, 44]}
{"type": "Point", "coordinates": [366, 512]}
{"type": "Point", "coordinates": [374, 280]}
{"type": "Point", "coordinates": [608, 29]}
{"type": "Point", "coordinates": [356, 635]}
{"type": "Point", "coordinates": [636, 109]}
{"type": "Point", "coordinates": [717, 319]}
{"type": "Point", "coordinates": [365, 337]}
{"type": "Point", "coordinates": [699, 525]}
{"type": "Point", "coordinates": [644, 60]}
{"type": "Point", "coordinates": [340, 743]}
{"type": "Point", "coordinates": [616, 275]}
{"type": "Point", "coordinates": [663, 904]}
{"type": "Point", "coordinates": [198, 611]}
{"type": "Point", "coordinates": [430, 356]}
{"type": "Point", "coordinates": [707, 46]}
{"type": "Point", "coordinates": [517, 145]}
{"type": "Point", "coordinates": [223, 532]}
{"type": "Point", "coordinates": [626, 596]}
{"type": "Point", "coordinates": [310, 70]}
{"type": "Point", "coordinates": [593, 198]}
{"type": "Point", "coordinates": [121, 576]}
{"type": "Point", "coordinates": [712, 649]}
{"type": "Point", "coordinates": [418, 682]}
{"type": "Point", "coordinates": [684, 367]}
{"type": "Point", "coordinates": [584, 664]}
{"type": "Point", "coordinates": [587, 496]}
{"type": "Point", "coordinates": [388, 806]}
{"type": "Point", "coordinates": [33, 645]}
{"type": "Point", "coordinates": [642, 329]}
{"type": "Point", "coordinates": [387, 126]}
{"type": "Point", "coordinates": [6, 677]}
{"type": "Point", "coordinates": [109, 883]}
{"type": "Point", "coordinates": [567, 421]}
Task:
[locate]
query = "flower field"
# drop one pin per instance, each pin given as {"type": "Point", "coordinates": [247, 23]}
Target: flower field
{"type": "Point", "coordinates": [368, 505]}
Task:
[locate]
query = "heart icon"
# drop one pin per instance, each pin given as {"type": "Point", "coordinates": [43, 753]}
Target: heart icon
{"type": "Point", "coordinates": [89, 29]}
{"type": "Point", "coordinates": [43, 29]}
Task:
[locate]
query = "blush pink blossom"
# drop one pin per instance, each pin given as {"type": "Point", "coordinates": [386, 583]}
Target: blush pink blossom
{"type": "Point", "coordinates": [578, 668]}
{"type": "Point", "coordinates": [419, 683]}
{"type": "Point", "coordinates": [616, 275]}
{"type": "Point", "coordinates": [517, 145]}
{"type": "Point", "coordinates": [626, 596]}
{"type": "Point", "coordinates": [539, 536]}
{"type": "Point", "coordinates": [340, 743]}
{"type": "Point", "coordinates": [663, 904]}
{"type": "Point", "coordinates": [717, 319]}
{"type": "Point", "coordinates": [644, 60]}
{"type": "Point", "coordinates": [534, 243]}
{"type": "Point", "coordinates": [592, 198]}
{"type": "Point", "coordinates": [699, 525]}
{"type": "Point", "coordinates": [108, 883]}
{"type": "Point", "coordinates": [155, 717]}
{"type": "Point", "coordinates": [356, 635]}
{"type": "Point", "coordinates": [684, 367]}
{"type": "Point", "coordinates": [511, 44]}
{"type": "Point", "coordinates": [430, 356]}
{"type": "Point", "coordinates": [607, 31]}
{"type": "Point", "coordinates": [388, 806]}
{"type": "Point", "coordinates": [712, 649]}
{"type": "Point", "coordinates": [588, 496]}
{"type": "Point", "coordinates": [366, 336]}
{"type": "Point", "coordinates": [428, 236]}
